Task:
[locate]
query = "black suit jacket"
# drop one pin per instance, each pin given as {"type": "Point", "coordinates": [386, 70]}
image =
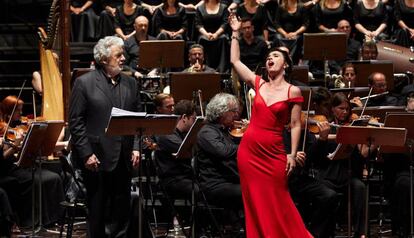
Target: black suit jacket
{"type": "Point", "coordinates": [89, 113]}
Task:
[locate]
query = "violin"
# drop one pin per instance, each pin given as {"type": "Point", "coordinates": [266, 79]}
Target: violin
{"type": "Point", "coordinates": [238, 129]}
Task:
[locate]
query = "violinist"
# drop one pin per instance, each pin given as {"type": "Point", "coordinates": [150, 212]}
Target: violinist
{"type": "Point", "coordinates": [378, 82]}
{"type": "Point", "coordinates": [397, 185]}
{"type": "Point", "coordinates": [52, 187]}
{"type": "Point", "coordinates": [216, 155]}
{"type": "Point", "coordinates": [176, 174]}
{"type": "Point", "coordinates": [334, 173]}
{"type": "Point", "coordinates": [303, 186]}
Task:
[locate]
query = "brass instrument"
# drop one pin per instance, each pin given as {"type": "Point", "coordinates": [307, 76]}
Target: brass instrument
{"type": "Point", "coordinates": [338, 81]}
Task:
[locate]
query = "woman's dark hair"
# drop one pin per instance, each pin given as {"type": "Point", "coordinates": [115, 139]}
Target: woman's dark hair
{"type": "Point", "coordinates": [165, 5]}
{"type": "Point", "coordinates": [338, 99]}
{"type": "Point", "coordinates": [286, 57]}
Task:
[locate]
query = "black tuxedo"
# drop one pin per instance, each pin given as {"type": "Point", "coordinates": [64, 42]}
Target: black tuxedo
{"type": "Point", "coordinates": [108, 190]}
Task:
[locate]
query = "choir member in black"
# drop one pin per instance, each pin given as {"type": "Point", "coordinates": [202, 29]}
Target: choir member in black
{"type": "Point", "coordinates": [52, 186]}
{"type": "Point", "coordinates": [196, 59]}
{"type": "Point", "coordinates": [211, 23]}
{"type": "Point", "coordinates": [176, 174]}
{"type": "Point", "coordinates": [84, 20]}
{"type": "Point", "coordinates": [306, 189]}
{"type": "Point", "coordinates": [334, 173]}
{"type": "Point", "coordinates": [291, 21]}
{"type": "Point", "coordinates": [170, 21]}
{"type": "Point", "coordinates": [257, 13]}
{"type": "Point", "coordinates": [106, 18]}
{"type": "Point", "coordinates": [404, 15]}
{"type": "Point", "coordinates": [125, 16]}
{"type": "Point", "coordinates": [330, 12]}
{"type": "Point", "coordinates": [131, 47]}
{"type": "Point", "coordinates": [370, 17]}
{"type": "Point", "coordinates": [253, 50]}
{"type": "Point", "coordinates": [216, 153]}
{"type": "Point", "coordinates": [106, 161]}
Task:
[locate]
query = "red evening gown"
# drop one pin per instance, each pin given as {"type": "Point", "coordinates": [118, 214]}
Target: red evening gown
{"type": "Point", "coordinates": [269, 209]}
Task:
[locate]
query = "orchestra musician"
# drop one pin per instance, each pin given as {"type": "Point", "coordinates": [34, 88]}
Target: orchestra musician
{"type": "Point", "coordinates": [378, 82]}
{"type": "Point", "coordinates": [106, 161]}
{"type": "Point", "coordinates": [176, 174]}
{"type": "Point", "coordinates": [397, 183]}
{"type": "Point", "coordinates": [303, 186]}
{"type": "Point", "coordinates": [216, 155]}
{"type": "Point", "coordinates": [262, 160]}
{"type": "Point", "coordinates": [52, 186]}
{"type": "Point", "coordinates": [196, 59]}
{"type": "Point", "coordinates": [334, 173]}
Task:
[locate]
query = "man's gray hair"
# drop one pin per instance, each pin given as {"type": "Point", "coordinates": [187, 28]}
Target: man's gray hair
{"type": "Point", "coordinates": [220, 104]}
{"type": "Point", "coordinates": [102, 49]}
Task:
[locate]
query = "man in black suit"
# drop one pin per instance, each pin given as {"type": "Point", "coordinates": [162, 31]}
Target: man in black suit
{"type": "Point", "coordinates": [105, 160]}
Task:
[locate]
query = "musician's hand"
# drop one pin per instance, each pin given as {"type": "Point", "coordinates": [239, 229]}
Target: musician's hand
{"type": "Point", "coordinates": [290, 164]}
{"type": "Point", "coordinates": [357, 101]}
{"type": "Point", "coordinates": [300, 158]}
{"type": "Point", "coordinates": [135, 159]}
{"type": "Point", "coordinates": [291, 35]}
{"type": "Point", "coordinates": [138, 75]}
{"type": "Point", "coordinates": [411, 31]}
{"type": "Point", "coordinates": [92, 163]}
{"type": "Point", "coordinates": [324, 129]}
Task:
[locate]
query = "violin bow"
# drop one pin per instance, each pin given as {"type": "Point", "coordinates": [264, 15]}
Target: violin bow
{"type": "Point", "coordinates": [14, 109]}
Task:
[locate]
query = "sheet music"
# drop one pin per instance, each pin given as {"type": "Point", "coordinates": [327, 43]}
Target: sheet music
{"type": "Point", "coordinates": [341, 152]}
{"type": "Point", "coordinates": [117, 112]}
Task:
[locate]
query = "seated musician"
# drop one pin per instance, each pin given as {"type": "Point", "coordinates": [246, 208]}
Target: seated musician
{"type": "Point", "coordinates": [176, 174]}
{"type": "Point", "coordinates": [216, 154]}
{"type": "Point", "coordinates": [131, 52]}
{"type": "Point", "coordinates": [164, 103]}
{"type": "Point", "coordinates": [52, 188]}
{"type": "Point", "coordinates": [304, 187]}
{"type": "Point", "coordinates": [334, 173]}
{"type": "Point", "coordinates": [397, 185]}
{"type": "Point", "coordinates": [348, 73]}
{"type": "Point", "coordinates": [196, 59]}
{"type": "Point", "coordinates": [378, 82]}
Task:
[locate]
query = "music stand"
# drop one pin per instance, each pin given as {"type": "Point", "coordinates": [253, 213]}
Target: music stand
{"type": "Point", "coordinates": [367, 67]}
{"type": "Point", "coordinates": [379, 111]}
{"type": "Point", "coordinates": [404, 120]}
{"type": "Point", "coordinates": [325, 46]}
{"type": "Point", "coordinates": [353, 135]}
{"type": "Point", "coordinates": [161, 53]}
{"type": "Point", "coordinates": [123, 122]}
{"type": "Point", "coordinates": [183, 85]}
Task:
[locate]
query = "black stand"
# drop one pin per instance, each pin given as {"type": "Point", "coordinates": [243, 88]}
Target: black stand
{"type": "Point", "coordinates": [162, 54]}
{"type": "Point", "coordinates": [184, 84]}
{"type": "Point", "coordinates": [39, 142]}
{"type": "Point", "coordinates": [325, 46]}
{"type": "Point", "coordinates": [404, 120]}
{"type": "Point", "coordinates": [140, 124]}
{"type": "Point", "coordinates": [352, 135]}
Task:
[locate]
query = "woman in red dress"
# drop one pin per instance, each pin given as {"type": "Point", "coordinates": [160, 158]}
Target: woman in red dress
{"type": "Point", "coordinates": [262, 161]}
